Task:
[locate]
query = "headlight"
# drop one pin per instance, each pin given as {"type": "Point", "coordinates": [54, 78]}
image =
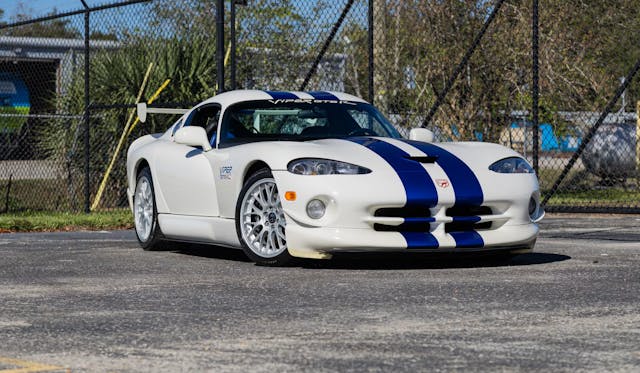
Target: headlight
{"type": "Point", "coordinates": [314, 166]}
{"type": "Point", "coordinates": [512, 165]}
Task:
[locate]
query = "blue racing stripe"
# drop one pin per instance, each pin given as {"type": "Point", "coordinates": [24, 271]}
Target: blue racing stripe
{"type": "Point", "coordinates": [419, 188]}
{"type": "Point", "coordinates": [418, 240]}
{"type": "Point", "coordinates": [322, 95]}
{"type": "Point", "coordinates": [414, 223]}
{"type": "Point", "coordinates": [466, 187]}
{"type": "Point", "coordinates": [414, 220]}
{"type": "Point", "coordinates": [465, 184]}
{"type": "Point", "coordinates": [281, 95]}
{"type": "Point", "coordinates": [466, 219]}
{"type": "Point", "coordinates": [467, 239]}
{"type": "Point", "coordinates": [421, 192]}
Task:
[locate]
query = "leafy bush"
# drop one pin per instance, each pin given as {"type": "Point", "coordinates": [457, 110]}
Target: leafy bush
{"type": "Point", "coordinates": [116, 77]}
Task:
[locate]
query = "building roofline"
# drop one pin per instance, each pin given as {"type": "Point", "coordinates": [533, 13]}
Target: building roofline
{"type": "Point", "coordinates": [27, 41]}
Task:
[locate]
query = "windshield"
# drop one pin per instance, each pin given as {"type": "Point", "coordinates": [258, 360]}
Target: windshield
{"type": "Point", "coordinates": [301, 120]}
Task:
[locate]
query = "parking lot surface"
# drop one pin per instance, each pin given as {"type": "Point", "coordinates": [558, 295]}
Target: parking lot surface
{"type": "Point", "coordinates": [95, 301]}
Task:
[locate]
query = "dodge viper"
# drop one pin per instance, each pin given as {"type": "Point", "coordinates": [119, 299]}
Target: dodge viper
{"type": "Point", "coordinates": [307, 174]}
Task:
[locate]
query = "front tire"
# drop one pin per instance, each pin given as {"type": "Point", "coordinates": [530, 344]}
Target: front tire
{"type": "Point", "coordinates": [260, 221]}
{"type": "Point", "coordinates": [145, 213]}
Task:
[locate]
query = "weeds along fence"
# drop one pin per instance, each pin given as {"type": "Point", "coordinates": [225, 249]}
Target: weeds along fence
{"type": "Point", "coordinates": [554, 80]}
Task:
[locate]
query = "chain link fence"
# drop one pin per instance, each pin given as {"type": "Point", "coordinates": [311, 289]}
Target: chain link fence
{"type": "Point", "coordinates": [554, 80]}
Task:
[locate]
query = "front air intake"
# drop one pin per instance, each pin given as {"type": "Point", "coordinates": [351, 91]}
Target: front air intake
{"type": "Point", "coordinates": [415, 219]}
{"type": "Point", "coordinates": [467, 218]}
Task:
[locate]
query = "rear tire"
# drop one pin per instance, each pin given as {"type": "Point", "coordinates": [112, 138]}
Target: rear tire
{"type": "Point", "coordinates": [145, 213]}
{"type": "Point", "coordinates": [260, 221]}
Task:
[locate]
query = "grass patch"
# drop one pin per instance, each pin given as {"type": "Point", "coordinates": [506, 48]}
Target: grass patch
{"type": "Point", "coordinates": [56, 194]}
{"type": "Point", "coordinates": [599, 197]}
{"type": "Point", "coordinates": [65, 221]}
{"type": "Point", "coordinates": [29, 195]}
{"type": "Point", "coordinates": [583, 189]}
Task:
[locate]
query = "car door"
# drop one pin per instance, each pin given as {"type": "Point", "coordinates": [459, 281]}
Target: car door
{"type": "Point", "coordinates": [185, 173]}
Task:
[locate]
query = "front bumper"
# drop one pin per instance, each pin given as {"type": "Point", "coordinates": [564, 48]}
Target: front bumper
{"type": "Point", "coordinates": [319, 243]}
{"type": "Point", "coordinates": [354, 222]}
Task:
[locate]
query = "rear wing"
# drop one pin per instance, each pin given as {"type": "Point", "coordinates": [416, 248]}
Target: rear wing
{"type": "Point", "coordinates": [143, 110]}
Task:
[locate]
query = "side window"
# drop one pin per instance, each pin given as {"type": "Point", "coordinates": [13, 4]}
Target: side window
{"type": "Point", "coordinates": [206, 117]}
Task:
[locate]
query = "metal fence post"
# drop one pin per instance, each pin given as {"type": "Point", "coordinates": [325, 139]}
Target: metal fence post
{"type": "Point", "coordinates": [370, 42]}
{"type": "Point", "coordinates": [232, 30]}
{"type": "Point", "coordinates": [220, 44]}
{"type": "Point", "coordinates": [534, 86]}
{"type": "Point", "coordinates": [87, 114]}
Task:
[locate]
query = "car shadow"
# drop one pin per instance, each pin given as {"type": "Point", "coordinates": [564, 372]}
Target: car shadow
{"type": "Point", "coordinates": [383, 261]}
{"type": "Point", "coordinates": [394, 261]}
{"type": "Point", "coordinates": [210, 251]}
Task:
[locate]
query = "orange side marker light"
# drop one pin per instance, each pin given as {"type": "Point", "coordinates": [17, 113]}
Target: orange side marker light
{"type": "Point", "coordinates": [290, 195]}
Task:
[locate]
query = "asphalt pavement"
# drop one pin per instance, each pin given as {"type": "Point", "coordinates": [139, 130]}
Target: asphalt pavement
{"type": "Point", "coordinates": [96, 302]}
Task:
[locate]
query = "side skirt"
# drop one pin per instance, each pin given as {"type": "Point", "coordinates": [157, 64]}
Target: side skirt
{"type": "Point", "coordinates": [204, 229]}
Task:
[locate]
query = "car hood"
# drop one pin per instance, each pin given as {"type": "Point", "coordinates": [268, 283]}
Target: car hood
{"type": "Point", "coordinates": [377, 152]}
{"type": "Point", "coordinates": [429, 172]}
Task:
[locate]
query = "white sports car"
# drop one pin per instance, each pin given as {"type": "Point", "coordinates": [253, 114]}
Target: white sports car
{"type": "Point", "coordinates": [308, 174]}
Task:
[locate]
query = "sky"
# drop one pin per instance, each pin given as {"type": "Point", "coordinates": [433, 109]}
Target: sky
{"type": "Point", "coordinates": [42, 7]}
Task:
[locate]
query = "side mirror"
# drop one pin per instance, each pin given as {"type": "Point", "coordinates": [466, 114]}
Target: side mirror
{"type": "Point", "coordinates": [421, 134]}
{"type": "Point", "coordinates": [193, 136]}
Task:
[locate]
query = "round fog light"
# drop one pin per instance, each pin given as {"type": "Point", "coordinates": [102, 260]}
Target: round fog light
{"type": "Point", "coordinates": [316, 209]}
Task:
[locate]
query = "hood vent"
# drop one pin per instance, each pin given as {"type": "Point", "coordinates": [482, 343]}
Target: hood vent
{"type": "Point", "coordinates": [424, 159]}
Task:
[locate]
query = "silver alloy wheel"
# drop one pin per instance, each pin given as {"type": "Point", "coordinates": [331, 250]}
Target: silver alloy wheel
{"type": "Point", "coordinates": [143, 209]}
{"type": "Point", "coordinates": [262, 219]}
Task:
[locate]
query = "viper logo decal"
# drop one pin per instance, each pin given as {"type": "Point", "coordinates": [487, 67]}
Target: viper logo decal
{"type": "Point", "coordinates": [225, 172]}
{"type": "Point", "coordinates": [442, 183]}
{"type": "Point", "coordinates": [317, 97]}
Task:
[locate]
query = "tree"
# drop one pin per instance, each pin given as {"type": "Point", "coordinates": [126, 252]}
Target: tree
{"type": "Point", "coordinates": [57, 28]}
{"type": "Point", "coordinates": [418, 43]}
{"type": "Point", "coordinates": [277, 40]}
